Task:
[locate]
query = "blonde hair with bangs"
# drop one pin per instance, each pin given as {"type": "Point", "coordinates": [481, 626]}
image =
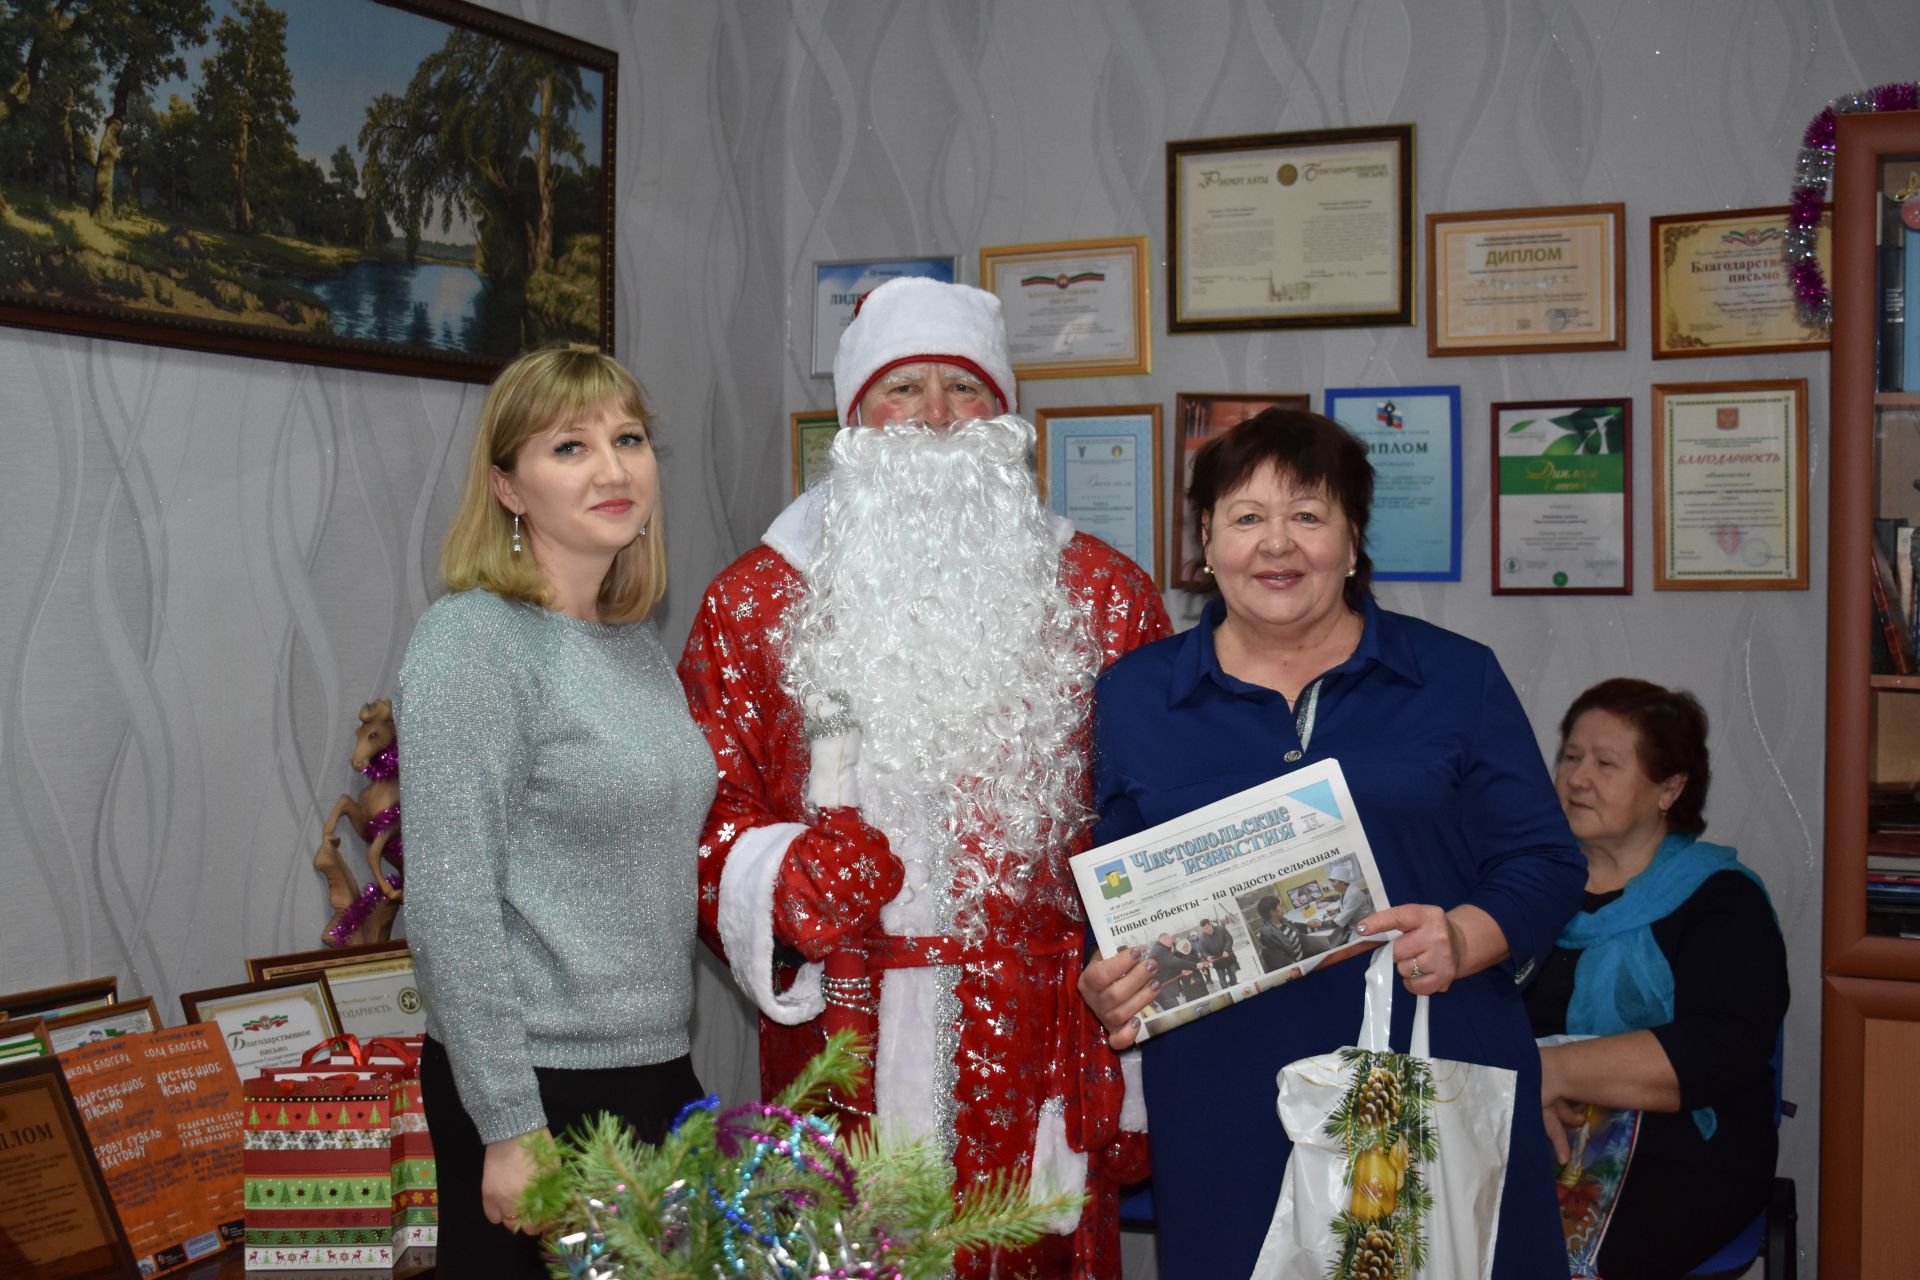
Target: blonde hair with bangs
{"type": "Point", "coordinates": [535, 393]}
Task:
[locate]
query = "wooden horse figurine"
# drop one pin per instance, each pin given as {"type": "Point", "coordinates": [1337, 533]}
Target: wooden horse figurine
{"type": "Point", "coordinates": [365, 914]}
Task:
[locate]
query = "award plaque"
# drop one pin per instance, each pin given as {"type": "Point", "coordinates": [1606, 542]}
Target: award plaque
{"type": "Point", "coordinates": [56, 1220]}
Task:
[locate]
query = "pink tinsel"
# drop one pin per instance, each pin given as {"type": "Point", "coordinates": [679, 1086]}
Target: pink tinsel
{"type": "Point", "coordinates": [1896, 97]}
{"type": "Point", "coordinates": [358, 910]}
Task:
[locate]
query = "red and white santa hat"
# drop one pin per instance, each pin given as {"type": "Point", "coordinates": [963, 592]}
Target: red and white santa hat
{"type": "Point", "coordinates": [910, 319]}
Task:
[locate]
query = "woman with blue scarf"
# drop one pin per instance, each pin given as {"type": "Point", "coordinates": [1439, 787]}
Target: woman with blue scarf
{"type": "Point", "coordinates": [1676, 971]}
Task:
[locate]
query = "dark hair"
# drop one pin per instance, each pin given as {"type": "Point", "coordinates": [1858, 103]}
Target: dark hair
{"type": "Point", "coordinates": [1315, 452]}
{"type": "Point", "coordinates": [1267, 907]}
{"type": "Point", "coordinates": [1670, 728]}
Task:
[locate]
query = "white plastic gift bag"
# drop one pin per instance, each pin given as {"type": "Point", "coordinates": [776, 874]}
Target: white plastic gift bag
{"type": "Point", "coordinates": [1398, 1158]}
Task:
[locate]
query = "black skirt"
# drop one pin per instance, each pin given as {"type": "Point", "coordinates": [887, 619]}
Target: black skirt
{"type": "Point", "coordinates": [647, 1098]}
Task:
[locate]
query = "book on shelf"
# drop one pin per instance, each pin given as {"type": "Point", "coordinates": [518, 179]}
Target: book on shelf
{"type": "Point", "coordinates": [1910, 343]}
{"type": "Point", "coordinates": [1893, 640]}
{"type": "Point", "coordinates": [1893, 864]}
{"type": "Point", "coordinates": [1891, 333]}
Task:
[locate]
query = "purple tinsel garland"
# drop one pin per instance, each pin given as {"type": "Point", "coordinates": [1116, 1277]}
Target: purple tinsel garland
{"type": "Point", "coordinates": [1813, 175]}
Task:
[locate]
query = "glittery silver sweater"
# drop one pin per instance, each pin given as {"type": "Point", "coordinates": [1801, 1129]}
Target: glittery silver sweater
{"type": "Point", "coordinates": [553, 787]}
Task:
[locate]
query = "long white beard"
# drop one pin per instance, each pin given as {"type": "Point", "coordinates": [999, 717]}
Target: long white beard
{"type": "Point", "coordinates": [936, 614]}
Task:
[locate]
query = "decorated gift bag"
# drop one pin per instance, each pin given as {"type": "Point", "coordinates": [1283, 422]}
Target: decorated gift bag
{"type": "Point", "coordinates": [1398, 1158]}
{"type": "Point", "coordinates": [416, 1196]}
{"type": "Point", "coordinates": [317, 1163]}
{"type": "Point", "coordinates": [416, 1193]}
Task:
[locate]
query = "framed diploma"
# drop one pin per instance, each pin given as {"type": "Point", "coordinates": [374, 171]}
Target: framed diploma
{"type": "Point", "coordinates": [267, 1024]}
{"type": "Point", "coordinates": [57, 1221]}
{"type": "Point", "coordinates": [1100, 468]}
{"type": "Point", "coordinates": [1412, 436]}
{"type": "Point", "coordinates": [24, 1038]}
{"type": "Point", "coordinates": [1306, 230]}
{"type": "Point", "coordinates": [1562, 501]}
{"type": "Point", "coordinates": [1730, 486]}
{"type": "Point", "coordinates": [1199, 416]}
{"type": "Point", "coordinates": [839, 286]}
{"type": "Point", "coordinates": [1720, 285]}
{"type": "Point", "coordinates": [813, 431]}
{"type": "Point", "coordinates": [57, 1002]}
{"type": "Point", "coordinates": [1075, 308]}
{"type": "Point", "coordinates": [377, 997]}
{"type": "Point", "coordinates": [125, 1018]}
{"type": "Point", "coordinates": [1506, 281]}
{"type": "Point", "coordinates": [265, 968]}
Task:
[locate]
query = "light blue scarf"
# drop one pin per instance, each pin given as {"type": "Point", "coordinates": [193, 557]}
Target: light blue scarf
{"type": "Point", "coordinates": [1622, 981]}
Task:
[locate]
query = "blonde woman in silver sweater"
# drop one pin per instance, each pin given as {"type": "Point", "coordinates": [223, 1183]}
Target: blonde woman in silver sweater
{"type": "Point", "coordinates": [553, 792]}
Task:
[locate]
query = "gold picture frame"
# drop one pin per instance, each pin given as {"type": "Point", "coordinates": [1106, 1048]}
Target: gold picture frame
{"type": "Point", "coordinates": [1720, 284]}
{"type": "Point", "coordinates": [1073, 308]}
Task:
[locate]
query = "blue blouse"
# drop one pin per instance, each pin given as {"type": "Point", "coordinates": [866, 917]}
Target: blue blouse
{"type": "Point", "coordinates": [1458, 808]}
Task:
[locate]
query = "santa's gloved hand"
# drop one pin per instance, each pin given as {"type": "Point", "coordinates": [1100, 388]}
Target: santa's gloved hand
{"type": "Point", "coordinates": [832, 883]}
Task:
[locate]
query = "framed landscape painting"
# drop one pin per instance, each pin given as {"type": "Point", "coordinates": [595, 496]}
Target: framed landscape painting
{"type": "Point", "coordinates": [413, 186]}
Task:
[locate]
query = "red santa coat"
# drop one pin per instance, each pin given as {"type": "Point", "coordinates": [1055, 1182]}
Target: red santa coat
{"type": "Point", "coordinates": [1033, 1087]}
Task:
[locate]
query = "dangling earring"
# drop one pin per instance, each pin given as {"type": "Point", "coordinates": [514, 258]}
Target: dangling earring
{"type": "Point", "coordinates": [516, 533]}
{"type": "Point", "coordinates": [1207, 569]}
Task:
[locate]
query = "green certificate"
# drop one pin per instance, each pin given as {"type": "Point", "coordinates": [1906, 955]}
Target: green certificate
{"type": "Point", "coordinates": [1561, 517]}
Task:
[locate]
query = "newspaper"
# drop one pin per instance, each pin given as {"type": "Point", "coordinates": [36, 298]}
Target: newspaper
{"type": "Point", "coordinates": [1239, 896]}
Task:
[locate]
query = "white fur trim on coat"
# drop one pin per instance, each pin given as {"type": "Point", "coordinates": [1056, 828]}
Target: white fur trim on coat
{"type": "Point", "coordinates": [1133, 1104]}
{"type": "Point", "coordinates": [1057, 1167]}
{"type": "Point", "coordinates": [746, 925]}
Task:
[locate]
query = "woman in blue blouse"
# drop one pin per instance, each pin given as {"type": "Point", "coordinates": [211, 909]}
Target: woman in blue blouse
{"type": "Point", "coordinates": [1294, 663]}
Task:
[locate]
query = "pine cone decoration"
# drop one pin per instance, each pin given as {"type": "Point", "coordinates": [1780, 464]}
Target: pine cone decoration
{"type": "Point", "coordinates": [1379, 1103]}
{"type": "Point", "coordinates": [1377, 1257]}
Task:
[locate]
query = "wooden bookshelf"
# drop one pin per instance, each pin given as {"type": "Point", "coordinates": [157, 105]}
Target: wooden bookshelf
{"type": "Point", "coordinates": [1870, 1000]}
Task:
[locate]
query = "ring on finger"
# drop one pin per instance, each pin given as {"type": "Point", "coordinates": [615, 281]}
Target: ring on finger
{"type": "Point", "coordinates": [1415, 973]}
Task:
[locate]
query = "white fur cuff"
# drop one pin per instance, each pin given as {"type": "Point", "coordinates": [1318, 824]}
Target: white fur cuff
{"type": "Point", "coordinates": [746, 925]}
{"type": "Point", "coordinates": [1133, 1105]}
{"type": "Point", "coordinates": [1057, 1167]}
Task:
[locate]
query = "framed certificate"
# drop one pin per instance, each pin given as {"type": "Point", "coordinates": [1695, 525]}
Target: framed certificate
{"type": "Point", "coordinates": [378, 997]}
{"type": "Point", "coordinates": [1306, 230]}
{"type": "Point", "coordinates": [267, 1024]}
{"type": "Point", "coordinates": [1100, 468]}
{"type": "Point", "coordinates": [1720, 285]}
{"type": "Point", "coordinates": [1199, 416]}
{"type": "Point", "coordinates": [265, 968]}
{"type": "Point", "coordinates": [125, 1018]}
{"type": "Point", "coordinates": [813, 431]}
{"type": "Point", "coordinates": [1562, 497]}
{"type": "Point", "coordinates": [1506, 281]}
{"type": "Point", "coordinates": [839, 286]}
{"type": "Point", "coordinates": [24, 1038]}
{"type": "Point", "coordinates": [1412, 436]}
{"type": "Point", "coordinates": [57, 1002]}
{"type": "Point", "coordinates": [57, 1221]}
{"type": "Point", "coordinates": [1730, 486]}
{"type": "Point", "coordinates": [1075, 308]}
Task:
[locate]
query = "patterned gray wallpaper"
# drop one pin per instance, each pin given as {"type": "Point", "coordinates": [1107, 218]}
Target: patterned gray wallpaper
{"type": "Point", "coordinates": [211, 562]}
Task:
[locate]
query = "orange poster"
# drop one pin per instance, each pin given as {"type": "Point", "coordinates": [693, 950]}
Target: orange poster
{"type": "Point", "coordinates": [138, 1148]}
{"type": "Point", "coordinates": [196, 1076]}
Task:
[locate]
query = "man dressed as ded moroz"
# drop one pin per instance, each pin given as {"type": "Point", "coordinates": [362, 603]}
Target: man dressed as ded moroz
{"type": "Point", "coordinates": [896, 684]}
